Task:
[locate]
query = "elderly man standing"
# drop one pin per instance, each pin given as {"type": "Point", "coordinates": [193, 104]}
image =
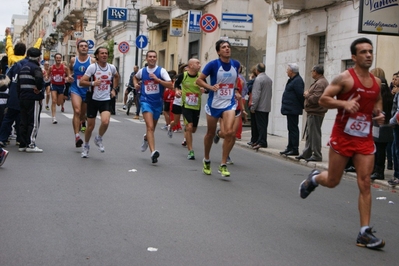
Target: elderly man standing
{"type": "Point", "coordinates": [315, 116]}
{"type": "Point", "coordinates": [261, 105]}
{"type": "Point", "coordinates": [292, 107]}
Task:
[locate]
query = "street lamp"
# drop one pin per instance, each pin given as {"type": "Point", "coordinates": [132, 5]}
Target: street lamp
{"type": "Point", "coordinates": [134, 2]}
{"type": "Point", "coordinates": [85, 23]}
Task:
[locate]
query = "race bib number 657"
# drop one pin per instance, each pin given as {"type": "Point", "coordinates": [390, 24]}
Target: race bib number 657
{"type": "Point", "coordinates": [357, 127]}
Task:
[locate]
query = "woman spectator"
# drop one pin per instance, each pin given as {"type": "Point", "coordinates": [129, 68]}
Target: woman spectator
{"type": "Point", "coordinates": [382, 134]}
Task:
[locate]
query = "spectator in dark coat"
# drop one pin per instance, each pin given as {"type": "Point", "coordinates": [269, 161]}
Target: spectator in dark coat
{"type": "Point", "coordinates": [292, 107]}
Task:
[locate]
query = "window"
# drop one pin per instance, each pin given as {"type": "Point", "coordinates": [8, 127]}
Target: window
{"type": "Point", "coordinates": [172, 61]}
{"type": "Point", "coordinates": [322, 49]}
{"type": "Point", "coordinates": [193, 49]}
{"type": "Point", "coordinates": [164, 35]}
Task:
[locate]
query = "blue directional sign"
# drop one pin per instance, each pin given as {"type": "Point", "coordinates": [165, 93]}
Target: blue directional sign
{"type": "Point", "coordinates": [237, 17]}
{"type": "Point", "coordinates": [141, 41]}
{"type": "Point", "coordinates": [90, 44]}
{"type": "Point", "coordinates": [117, 13]}
{"type": "Point", "coordinates": [193, 21]}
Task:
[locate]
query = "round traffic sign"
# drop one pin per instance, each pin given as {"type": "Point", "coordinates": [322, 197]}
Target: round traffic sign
{"type": "Point", "coordinates": [90, 44]}
{"type": "Point", "coordinates": [141, 41]}
{"type": "Point", "coordinates": [123, 47]}
{"type": "Point", "coordinates": [208, 23]}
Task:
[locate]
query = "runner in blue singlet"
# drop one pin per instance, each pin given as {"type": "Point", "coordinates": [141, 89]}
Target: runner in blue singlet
{"type": "Point", "coordinates": [223, 74]}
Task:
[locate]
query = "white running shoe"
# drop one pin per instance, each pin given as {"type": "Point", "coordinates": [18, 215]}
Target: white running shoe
{"type": "Point", "coordinates": [165, 127]}
{"type": "Point", "coordinates": [85, 151]}
{"type": "Point", "coordinates": [34, 150]}
{"type": "Point", "coordinates": [22, 149]}
{"type": "Point", "coordinates": [99, 143]}
{"type": "Point", "coordinates": [144, 145]}
{"type": "Point", "coordinates": [124, 107]}
{"type": "Point", "coordinates": [54, 120]}
{"type": "Point", "coordinates": [170, 132]}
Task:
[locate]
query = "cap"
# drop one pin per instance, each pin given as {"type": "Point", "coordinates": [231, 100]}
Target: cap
{"type": "Point", "coordinates": [33, 52]}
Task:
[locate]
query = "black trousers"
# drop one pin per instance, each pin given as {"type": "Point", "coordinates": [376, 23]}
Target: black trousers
{"type": "Point", "coordinates": [293, 132]}
{"type": "Point", "coordinates": [262, 121]}
{"type": "Point", "coordinates": [380, 156]}
{"type": "Point", "coordinates": [254, 129]}
{"type": "Point", "coordinates": [30, 121]}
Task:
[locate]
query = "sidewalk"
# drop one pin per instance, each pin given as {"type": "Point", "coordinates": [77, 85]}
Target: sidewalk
{"type": "Point", "coordinates": [277, 144]}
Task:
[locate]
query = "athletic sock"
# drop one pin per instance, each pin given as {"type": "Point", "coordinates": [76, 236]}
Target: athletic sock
{"type": "Point", "coordinates": [363, 229]}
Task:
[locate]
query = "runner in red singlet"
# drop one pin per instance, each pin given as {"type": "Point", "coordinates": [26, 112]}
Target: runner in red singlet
{"type": "Point", "coordinates": [356, 95]}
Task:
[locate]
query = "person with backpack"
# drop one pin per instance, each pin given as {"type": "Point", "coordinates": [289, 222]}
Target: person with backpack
{"type": "Point", "coordinates": [31, 93]}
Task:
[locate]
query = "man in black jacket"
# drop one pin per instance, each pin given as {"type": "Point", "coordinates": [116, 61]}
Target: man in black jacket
{"type": "Point", "coordinates": [30, 92]}
{"type": "Point", "coordinates": [292, 107]}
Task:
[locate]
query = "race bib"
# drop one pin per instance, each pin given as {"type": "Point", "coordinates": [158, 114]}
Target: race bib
{"type": "Point", "coordinates": [151, 87]}
{"type": "Point", "coordinates": [225, 91]}
{"type": "Point", "coordinates": [358, 125]}
{"type": "Point", "coordinates": [58, 78]}
{"type": "Point", "coordinates": [192, 99]}
{"type": "Point", "coordinates": [78, 81]}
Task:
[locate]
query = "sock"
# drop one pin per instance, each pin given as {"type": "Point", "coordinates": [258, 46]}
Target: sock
{"type": "Point", "coordinates": [314, 180]}
{"type": "Point", "coordinates": [77, 135]}
{"type": "Point", "coordinates": [207, 161]}
{"type": "Point", "coordinates": [363, 229]}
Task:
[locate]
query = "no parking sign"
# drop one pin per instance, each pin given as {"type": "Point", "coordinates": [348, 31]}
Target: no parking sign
{"type": "Point", "coordinates": [208, 23]}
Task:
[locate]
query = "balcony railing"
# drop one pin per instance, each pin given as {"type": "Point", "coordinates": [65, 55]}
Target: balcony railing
{"type": "Point", "coordinates": [71, 12]}
{"type": "Point", "coordinates": [157, 11]}
{"type": "Point", "coordinates": [192, 4]}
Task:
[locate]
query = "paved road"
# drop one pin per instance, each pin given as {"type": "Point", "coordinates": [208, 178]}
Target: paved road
{"type": "Point", "coordinates": [114, 208]}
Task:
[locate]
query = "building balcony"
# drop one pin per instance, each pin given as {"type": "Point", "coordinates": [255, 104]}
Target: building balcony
{"type": "Point", "coordinates": [157, 11]}
{"type": "Point", "coordinates": [192, 4]}
{"type": "Point", "coordinates": [70, 13]}
{"type": "Point", "coordinates": [305, 4]}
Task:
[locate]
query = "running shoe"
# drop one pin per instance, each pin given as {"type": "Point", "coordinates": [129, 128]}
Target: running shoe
{"type": "Point", "coordinates": [12, 137]}
{"type": "Point", "coordinates": [154, 156]}
{"type": "Point", "coordinates": [394, 182]}
{"type": "Point", "coordinates": [34, 150]}
{"type": "Point", "coordinates": [165, 127]}
{"type": "Point", "coordinates": [229, 161]}
{"type": "Point", "coordinates": [22, 149]}
{"type": "Point", "coordinates": [207, 168]}
{"type": "Point", "coordinates": [178, 130]}
{"type": "Point", "coordinates": [83, 129]}
{"type": "Point", "coordinates": [2, 144]}
{"type": "Point", "coordinates": [368, 240]}
{"type": "Point", "coordinates": [78, 142]}
{"type": "Point", "coordinates": [54, 120]}
{"type": "Point", "coordinates": [85, 151]}
{"type": "Point", "coordinates": [144, 145]}
{"type": "Point", "coordinates": [124, 107]}
{"type": "Point", "coordinates": [62, 109]}
{"type": "Point", "coordinates": [136, 117]}
{"type": "Point", "coordinates": [190, 155]}
{"type": "Point", "coordinates": [216, 138]}
{"type": "Point", "coordinates": [170, 132]}
{"type": "Point", "coordinates": [223, 170]}
{"type": "Point", "coordinates": [3, 157]}
{"type": "Point", "coordinates": [184, 143]}
{"type": "Point", "coordinates": [307, 185]}
{"type": "Point", "coordinates": [99, 143]}
{"type": "Point", "coordinates": [47, 108]}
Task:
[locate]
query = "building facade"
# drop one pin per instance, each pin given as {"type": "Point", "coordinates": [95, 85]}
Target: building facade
{"type": "Point", "coordinates": [310, 32]}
